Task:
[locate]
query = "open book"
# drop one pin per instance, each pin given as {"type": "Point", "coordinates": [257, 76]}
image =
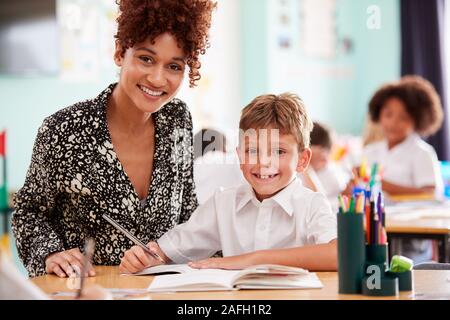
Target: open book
{"type": "Point", "coordinates": [254, 277]}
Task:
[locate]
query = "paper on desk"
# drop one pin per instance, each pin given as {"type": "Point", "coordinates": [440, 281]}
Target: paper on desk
{"type": "Point", "coordinates": [418, 211]}
{"type": "Point", "coordinates": [115, 292]}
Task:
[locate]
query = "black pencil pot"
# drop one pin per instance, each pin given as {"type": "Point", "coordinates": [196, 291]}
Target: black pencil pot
{"type": "Point", "coordinates": [351, 252]}
{"type": "Point", "coordinates": [376, 281]}
{"type": "Point", "coordinates": [405, 279]}
{"type": "Point", "coordinates": [377, 254]}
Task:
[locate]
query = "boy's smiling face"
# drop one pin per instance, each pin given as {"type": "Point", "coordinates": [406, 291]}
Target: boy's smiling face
{"type": "Point", "coordinates": [270, 160]}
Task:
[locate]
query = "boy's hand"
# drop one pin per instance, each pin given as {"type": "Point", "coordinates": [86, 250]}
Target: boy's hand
{"type": "Point", "coordinates": [136, 259]}
{"type": "Point", "coordinates": [229, 263]}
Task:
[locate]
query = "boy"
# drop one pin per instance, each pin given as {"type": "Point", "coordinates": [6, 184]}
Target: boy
{"type": "Point", "coordinates": [272, 219]}
{"type": "Point", "coordinates": [323, 175]}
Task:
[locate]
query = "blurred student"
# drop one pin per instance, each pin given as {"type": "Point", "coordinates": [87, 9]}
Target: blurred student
{"type": "Point", "coordinates": [372, 132]}
{"type": "Point", "coordinates": [406, 111]}
{"type": "Point", "coordinates": [214, 167]}
{"type": "Point", "coordinates": [270, 219]}
{"type": "Point", "coordinates": [323, 175]}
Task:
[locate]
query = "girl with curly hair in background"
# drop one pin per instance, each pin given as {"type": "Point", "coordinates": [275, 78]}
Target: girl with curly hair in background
{"type": "Point", "coordinates": [126, 153]}
{"type": "Point", "coordinates": [406, 111]}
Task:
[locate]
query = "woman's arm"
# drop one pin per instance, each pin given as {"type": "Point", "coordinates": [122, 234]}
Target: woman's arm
{"type": "Point", "coordinates": [39, 244]}
{"type": "Point", "coordinates": [35, 237]}
{"type": "Point", "coordinates": [319, 257]}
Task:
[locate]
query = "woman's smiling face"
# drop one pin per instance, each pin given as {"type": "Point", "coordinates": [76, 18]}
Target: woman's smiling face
{"type": "Point", "coordinates": [151, 72]}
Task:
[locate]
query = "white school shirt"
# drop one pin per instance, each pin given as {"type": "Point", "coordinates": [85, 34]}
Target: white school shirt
{"type": "Point", "coordinates": [330, 181]}
{"type": "Point", "coordinates": [236, 222]}
{"type": "Point", "coordinates": [214, 170]}
{"type": "Point", "coordinates": [412, 163]}
{"type": "Point", "coordinates": [334, 180]}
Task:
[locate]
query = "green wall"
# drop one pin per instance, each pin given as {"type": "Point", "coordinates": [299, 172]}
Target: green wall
{"type": "Point", "coordinates": [377, 56]}
{"type": "Point", "coordinates": [24, 103]}
{"type": "Point", "coordinates": [341, 102]}
{"type": "Point", "coordinates": [254, 54]}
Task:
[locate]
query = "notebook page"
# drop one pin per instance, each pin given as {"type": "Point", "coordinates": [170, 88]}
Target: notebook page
{"type": "Point", "coordinates": [165, 268]}
{"type": "Point", "coordinates": [307, 281]}
{"type": "Point", "coordinates": [199, 280]}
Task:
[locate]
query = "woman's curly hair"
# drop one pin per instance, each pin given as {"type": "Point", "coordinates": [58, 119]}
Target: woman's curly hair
{"type": "Point", "coordinates": [187, 20]}
{"type": "Point", "coordinates": [421, 101]}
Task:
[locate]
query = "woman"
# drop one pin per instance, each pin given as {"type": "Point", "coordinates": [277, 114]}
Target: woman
{"type": "Point", "coordinates": [126, 153]}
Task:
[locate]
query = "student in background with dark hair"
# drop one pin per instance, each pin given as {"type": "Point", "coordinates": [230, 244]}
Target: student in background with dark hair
{"type": "Point", "coordinates": [323, 175]}
{"type": "Point", "coordinates": [406, 111]}
{"type": "Point", "coordinates": [209, 140]}
{"type": "Point", "coordinates": [214, 166]}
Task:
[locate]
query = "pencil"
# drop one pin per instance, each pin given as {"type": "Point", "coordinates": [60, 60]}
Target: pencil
{"type": "Point", "coordinates": [371, 219]}
{"type": "Point", "coordinates": [135, 240]}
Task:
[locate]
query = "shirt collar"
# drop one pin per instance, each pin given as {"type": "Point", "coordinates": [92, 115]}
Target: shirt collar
{"type": "Point", "coordinates": [405, 143]}
{"type": "Point", "coordinates": [282, 198]}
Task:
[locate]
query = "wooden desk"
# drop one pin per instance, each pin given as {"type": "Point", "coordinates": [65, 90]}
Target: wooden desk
{"type": "Point", "coordinates": [427, 284]}
{"type": "Point", "coordinates": [434, 228]}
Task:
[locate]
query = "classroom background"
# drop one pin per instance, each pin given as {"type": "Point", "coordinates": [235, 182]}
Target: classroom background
{"type": "Point", "coordinates": [332, 53]}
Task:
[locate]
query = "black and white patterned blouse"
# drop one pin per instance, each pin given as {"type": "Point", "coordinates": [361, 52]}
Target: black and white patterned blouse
{"type": "Point", "coordinates": [75, 177]}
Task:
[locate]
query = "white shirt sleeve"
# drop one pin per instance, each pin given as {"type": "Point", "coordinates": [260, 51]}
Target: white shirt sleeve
{"type": "Point", "coordinates": [426, 169]}
{"type": "Point", "coordinates": [322, 223]}
{"type": "Point", "coordinates": [196, 239]}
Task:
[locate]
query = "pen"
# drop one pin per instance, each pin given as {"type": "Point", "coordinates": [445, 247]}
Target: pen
{"type": "Point", "coordinates": [383, 219]}
{"type": "Point", "coordinates": [376, 228]}
{"type": "Point", "coordinates": [89, 247]}
{"type": "Point", "coordinates": [373, 176]}
{"type": "Point", "coordinates": [352, 205]}
{"type": "Point", "coordinates": [372, 218]}
{"type": "Point", "coordinates": [379, 207]}
{"type": "Point", "coordinates": [135, 240]}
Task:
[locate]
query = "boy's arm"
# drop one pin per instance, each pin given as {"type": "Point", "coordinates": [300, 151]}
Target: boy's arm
{"type": "Point", "coordinates": [321, 232]}
{"type": "Point", "coordinates": [195, 239]}
{"type": "Point", "coordinates": [319, 257]}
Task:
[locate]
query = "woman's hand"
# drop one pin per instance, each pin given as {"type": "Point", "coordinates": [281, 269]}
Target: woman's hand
{"type": "Point", "coordinates": [67, 264]}
{"type": "Point", "coordinates": [229, 263]}
{"type": "Point", "coordinates": [136, 259]}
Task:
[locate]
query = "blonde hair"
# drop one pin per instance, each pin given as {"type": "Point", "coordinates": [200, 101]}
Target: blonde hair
{"type": "Point", "coordinates": [285, 112]}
